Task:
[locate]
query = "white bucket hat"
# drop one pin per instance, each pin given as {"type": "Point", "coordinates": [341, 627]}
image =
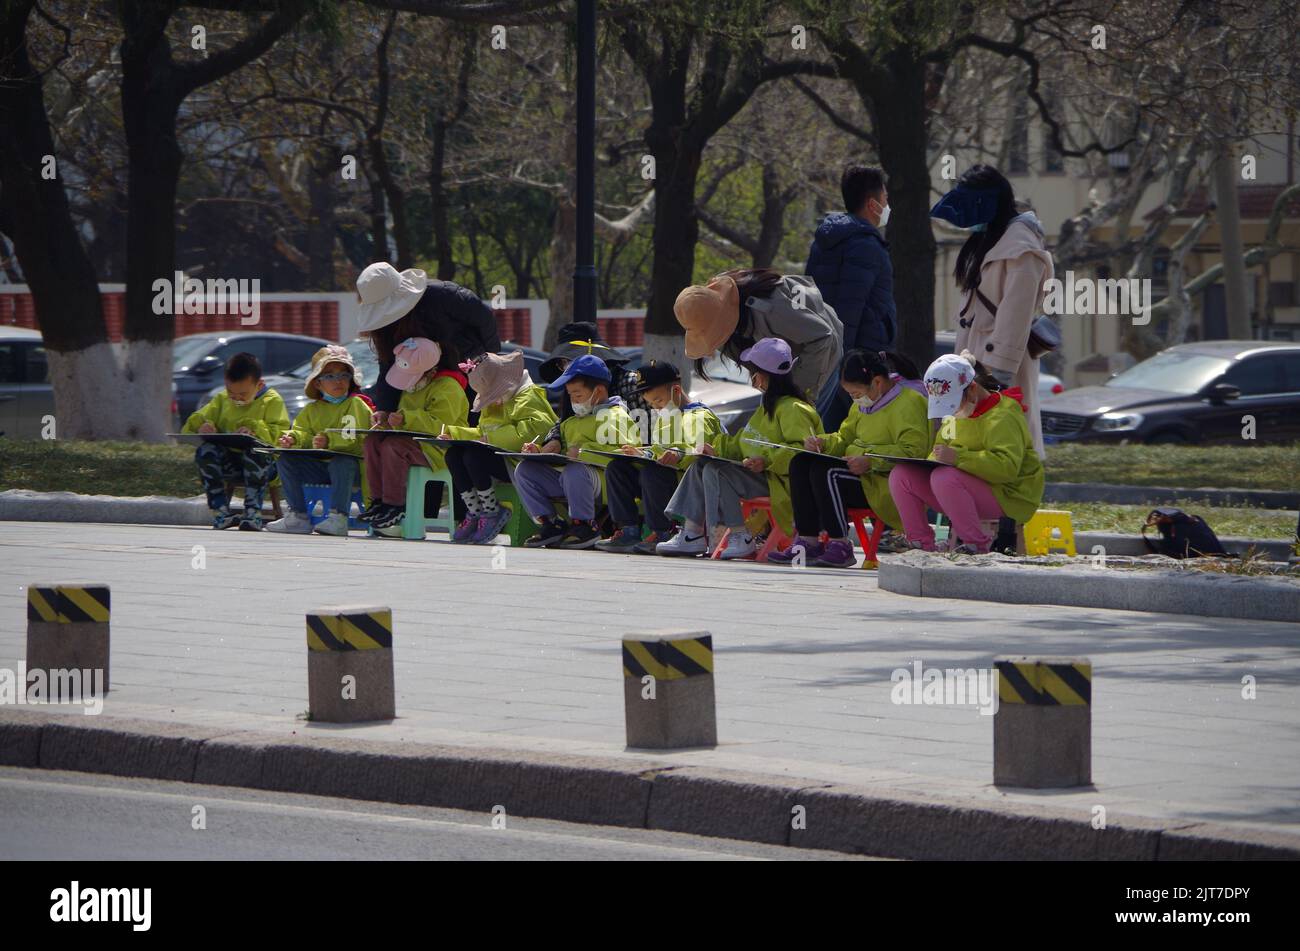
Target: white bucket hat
{"type": "Point", "coordinates": [387, 294]}
{"type": "Point", "coordinates": [945, 382]}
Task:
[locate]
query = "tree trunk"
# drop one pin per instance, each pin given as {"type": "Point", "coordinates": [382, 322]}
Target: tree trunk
{"type": "Point", "coordinates": [320, 223]}
{"type": "Point", "coordinates": [1234, 269]}
{"type": "Point", "coordinates": [438, 197]}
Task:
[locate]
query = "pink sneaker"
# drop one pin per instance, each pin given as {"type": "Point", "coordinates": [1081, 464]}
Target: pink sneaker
{"type": "Point", "coordinates": [465, 530]}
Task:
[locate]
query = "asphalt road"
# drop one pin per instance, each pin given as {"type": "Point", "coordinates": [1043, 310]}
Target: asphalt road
{"type": "Point", "coordinates": [76, 816]}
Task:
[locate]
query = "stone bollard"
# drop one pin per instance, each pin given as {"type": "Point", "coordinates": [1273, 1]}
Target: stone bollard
{"type": "Point", "coordinates": [1042, 732]}
{"type": "Point", "coordinates": [350, 665]}
{"type": "Point", "coordinates": [67, 630]}
{"type": "Point", "coordinates": [668, 691]}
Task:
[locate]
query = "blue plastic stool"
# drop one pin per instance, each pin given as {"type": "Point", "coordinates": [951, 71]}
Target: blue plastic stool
{"type": "Point", "coordinates": [416, 524]}
{"type": "Point", "coordinates": [313, 494]}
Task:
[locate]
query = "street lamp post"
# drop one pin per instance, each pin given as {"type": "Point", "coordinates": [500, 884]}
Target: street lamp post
{"type": "Point", "coordinates": [584, 273]}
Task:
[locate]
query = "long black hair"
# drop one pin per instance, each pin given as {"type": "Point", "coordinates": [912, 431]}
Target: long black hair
{"type": "Point", "coordinates": [863, 366]}
{"type": "Point", "coordinates": [750, 282]}
{"type": "Point", "coordinates": [971, 257]}
{"type": "Point", "coordinates": [778, 386]}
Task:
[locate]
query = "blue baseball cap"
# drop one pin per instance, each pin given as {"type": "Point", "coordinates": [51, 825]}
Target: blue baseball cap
{"type": "Point", "coordinates": [585, 365]}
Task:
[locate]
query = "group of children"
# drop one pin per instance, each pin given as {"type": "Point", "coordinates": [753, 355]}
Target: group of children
{"type": "Point", "coordinates": [671, 490]}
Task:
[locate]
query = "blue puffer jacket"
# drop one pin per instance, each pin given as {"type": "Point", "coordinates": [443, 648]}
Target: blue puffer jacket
{"type": "Point", "coordinates": [849, 260]}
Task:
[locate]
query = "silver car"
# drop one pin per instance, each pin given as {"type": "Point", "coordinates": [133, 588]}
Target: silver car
{"type": "Point", "coordinates": [26, 396]}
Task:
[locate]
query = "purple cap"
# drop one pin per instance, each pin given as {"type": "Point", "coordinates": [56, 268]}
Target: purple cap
{"type": "Point", "coordinates": [771, 354]}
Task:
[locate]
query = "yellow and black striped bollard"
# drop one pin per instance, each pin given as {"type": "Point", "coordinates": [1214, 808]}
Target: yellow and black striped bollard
{"type": "Point", "coordinates": [67, 629]}
{"type": "Point", "coordinates": [668, 691]}
{"type": "Point", "coordinates": [1042, 732]}
{"type": "Point", "coordinates": [350, 665]}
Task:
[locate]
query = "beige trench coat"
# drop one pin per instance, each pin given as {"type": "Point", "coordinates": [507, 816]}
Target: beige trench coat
{"type": "Point", "coordinates": [1012, 278]}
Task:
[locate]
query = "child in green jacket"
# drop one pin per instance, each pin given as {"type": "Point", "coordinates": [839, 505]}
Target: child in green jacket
{"type": "Point", "coordinates": [333, 386]}
{"type": "Point", "coordinates": [711, 491]}
{"type": "Point", "coordinates": [599, 421]}
{"type": "Point", "coordinates": [248, 407]}
{"type": "Point", "coordinates": [887, 417]}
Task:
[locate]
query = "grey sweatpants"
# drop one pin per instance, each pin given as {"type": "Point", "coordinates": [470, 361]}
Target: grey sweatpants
{"type": "Point", "coordinates": [710, 493]}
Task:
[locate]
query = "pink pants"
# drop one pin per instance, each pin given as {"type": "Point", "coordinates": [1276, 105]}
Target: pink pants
{"type": "Point", "coordinates": [966, 499]}
{"type": "Point", "coordinates": [388, 460]}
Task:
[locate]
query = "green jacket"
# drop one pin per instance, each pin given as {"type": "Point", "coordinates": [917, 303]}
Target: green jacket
{"type": "Point", "coordinates": [684, 430]}
{"type": "Point", "coordinates": [610, 427]}
{"type": "Point", "coordinates": [522, 418]}
{"type": "Point", "coordinates": [794, 422]}
{"type": "Point", "coordinates": [901, 428]}
{"type": "Point", "coordinates": [265, 415]}
{"type": "Point", "coordinates": [319, 415]}
{"type": "Point", "coordinates": [996, 447]}
{"type": "Point", "coordinates": [441, 402]}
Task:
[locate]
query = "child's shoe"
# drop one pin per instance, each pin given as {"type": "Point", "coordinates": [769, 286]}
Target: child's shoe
{"type": "Point", "coordinates": [335, 524]}
{"type": "Point", "coordinates": [683, 543]}
{"type": "Point", "coordinates": [550, 534]}
{"type": "Point", "coordinates": [393, 516]}
{"type": "Point", "coordinates": [250, 521]}
{"type": "Point", "coordinates": [580, 535]}
{"type": "Point", "coordinates": [466, 530]}
{"type": "Point", "coordinates": [373, 510]}
{"type": "Point", "coordinates": [812, 550]}
{"type": "Point", "coordinates": [294, 523]}
{"type": "Point", "coordinates": [224, 518]}
{"type": "Point", "coordinates": [390, 531]}
{"type": "Point", "coordinates": [623, 542]}
{"type": "Point", "coordinates": [490, 526]}
{"type": "Point", "coordinates": [837, 554]}
{"type": "Point", "coordinates": [652, 542]}
{"type": "Point", "coordinates": [740, 544]}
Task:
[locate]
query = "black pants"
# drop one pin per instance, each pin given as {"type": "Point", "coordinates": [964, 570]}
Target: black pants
{"type": "Point", "coordinates": [475, 468]}
{"type": "Point", "coordinates": [820, 490]}
{"type": "Point", "coordinates": [625, 480]}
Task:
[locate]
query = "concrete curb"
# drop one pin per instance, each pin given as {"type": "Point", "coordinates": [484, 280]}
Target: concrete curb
{"type": "Point", "coordinates": [22, 505]}
{"type": "Point", "coordinates": [653, 794]}
{"type": "Point", "coordinates": [1158, 591]}
{"type": "Point", "coordinates": [1157, 495]}
{"type": "Point", "coordinates": [1118, 543]}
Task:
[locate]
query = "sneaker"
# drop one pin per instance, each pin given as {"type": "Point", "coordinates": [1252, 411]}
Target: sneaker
{"type": "Point", "coordinates": [740, 544]}
{"type": "Point", "coordinates": [488, 527]}
{"type": "Point", "coordinates": [250, 521]}
{"type": "Point", "coordinates": [550, 533]}
{"type": "Point", "coordinates": [466, 530]}
{"type": "Point", "coordinates": [375, 509]}
{"type": "Point", "coordinates": [652, 542]}
{"type": "Point", "coordinates": [891, 542]}
{"type": "Point", "coordinates": [811, 552]}
{"type": "Point", "coordinates": [683, 544]}
{"type": "Point", "coordinates": [224, 518]}
{"type": "Point", "coordinates": [389, 531]}
{"type": "Point", "coordinates": [393, 516]}
{"type": "Point", "coordinates": [335, 524]}
{"type": "Point", "coordinates": [624, 542]}
{"type": "Point", "coordinates": [967, 549]}
{"type": "Point", "coordinates": [837, 554]}
{"type": "Point", "coordinates": [580, 535]}
{"type": "Point", "coordinates": [295, 523]}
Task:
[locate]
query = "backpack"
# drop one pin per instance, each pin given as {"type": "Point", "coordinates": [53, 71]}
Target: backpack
{"type": "Point", "coordinates": [1181, 535]}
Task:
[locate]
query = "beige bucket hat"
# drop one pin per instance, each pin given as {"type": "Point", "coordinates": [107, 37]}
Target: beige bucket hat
{"type": "Point", "coordinates": [708, 314]}
{"type": "Point", "coordinates": [322, 358]}
{"type": "Point", "coordinates": [496, 376]}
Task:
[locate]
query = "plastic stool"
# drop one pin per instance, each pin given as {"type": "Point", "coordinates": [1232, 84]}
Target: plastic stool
{"type": "Point", "coordinates": [869, 542]}
{"type": "Point", "coordinates": [320, 494]}
{"type": "Point", "coordinates": [416, 522]}
{"type": "Point", "coordinates": [520, 527]}
{"type": "Point", "coordinates": [777, 539]}
{"type": "Point", "coordinates": [1049, 530]}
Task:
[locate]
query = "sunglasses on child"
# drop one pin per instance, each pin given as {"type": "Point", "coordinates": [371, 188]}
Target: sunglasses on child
{"type": "Point", "coordinates": [334, 377]}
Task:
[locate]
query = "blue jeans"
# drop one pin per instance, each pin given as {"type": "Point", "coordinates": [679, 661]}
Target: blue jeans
{"type": "Point", "coordinates": [340, 472]}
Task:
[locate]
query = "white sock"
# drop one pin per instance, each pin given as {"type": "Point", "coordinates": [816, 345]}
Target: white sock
{"type": "Point", "coordinates": [470, 497]}
{"type": "Point", "coordinates": [487, 502]}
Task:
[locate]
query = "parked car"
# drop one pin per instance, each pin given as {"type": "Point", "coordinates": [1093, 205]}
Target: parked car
{"type": "Point", "coordinates": [1190, 393]}
{"type": "Point", "coordinates": [198, 359]}
{"type": "Point", "coordinates": [291, 385]}
{"type": "Point", "coordinates": [26, 396]}
{"type": "Point", "coordinates": [945, 341]}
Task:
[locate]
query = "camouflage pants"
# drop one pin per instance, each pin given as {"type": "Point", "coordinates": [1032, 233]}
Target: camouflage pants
{"type": "Point", "coordinates": [219, 465]}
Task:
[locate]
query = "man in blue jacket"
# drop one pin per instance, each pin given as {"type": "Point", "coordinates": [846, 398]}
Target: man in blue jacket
{"type": "Point", "coordinates": [849, 261]}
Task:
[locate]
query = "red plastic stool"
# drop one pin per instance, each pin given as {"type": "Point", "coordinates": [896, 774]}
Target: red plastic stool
{"type": "Point", "coordinates": [777, 539]}
{"type": "Point", "coordinates": [869, 542]}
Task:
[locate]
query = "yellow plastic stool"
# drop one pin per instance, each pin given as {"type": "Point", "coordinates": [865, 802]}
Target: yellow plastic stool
{"type": "Point", "coordinates": [1049, 530]}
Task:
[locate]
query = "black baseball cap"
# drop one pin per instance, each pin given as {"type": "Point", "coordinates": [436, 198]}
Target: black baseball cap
{"type": "Point", "coordinates": [655, 374]}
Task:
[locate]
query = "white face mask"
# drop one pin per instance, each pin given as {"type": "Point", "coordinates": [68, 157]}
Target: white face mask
{"type": "Point", "coordinates": [863, 402]}
{"type": "Point", "coordinates": [582, 409]}
{"type": "Point", "coordinates": [964, 410]}
{"type": "Point", "coordinates": [884, 217]}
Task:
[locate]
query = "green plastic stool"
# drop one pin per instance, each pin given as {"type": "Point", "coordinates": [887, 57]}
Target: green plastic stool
{"type": "Point", "coordinates": [416, 524]}
{"type": "Point", "coordinates": [520, 526]}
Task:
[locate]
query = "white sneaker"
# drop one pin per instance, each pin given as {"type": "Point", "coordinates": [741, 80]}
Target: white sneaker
{"type": "Point", "coordinates": [683, 543]}
{"type": "Point", "coordinates": [739, 545]}
{"type": "Point", "coordinates": [335, 524]}
{"type": "Point", "coordinates": [294, 523]}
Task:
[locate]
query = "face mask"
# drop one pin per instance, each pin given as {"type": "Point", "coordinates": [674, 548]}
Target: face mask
{"type": "Point", "coordinates": [964, 410]}
{"type": "Point", "coordinates": [240, 402]}
{"type": "Point", "coordinates": [884, 217]}
{"type": "Point", "coordinates": [863, 402]}
{"type": "Point", "coordinates": [582, 409]}
{"type": "Point", "coordinates": [334, 399]}
{"type": "Point", "coordinates": [979, 227]}
{"type": "Point", "coordinates": [418, 385]}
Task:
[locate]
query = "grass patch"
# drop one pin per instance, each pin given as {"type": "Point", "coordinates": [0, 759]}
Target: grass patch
{"type": "Point", "coordinates": [98, 468]}
{"type": "Point", "coordinates": [1250, 522]}
{"type": "Point", "coordinates": [1217, 467]}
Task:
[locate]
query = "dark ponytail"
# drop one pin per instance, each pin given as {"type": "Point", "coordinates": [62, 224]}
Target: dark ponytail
{"type": "Point", "coordinates": [862, 366]}
{"type": "Point", "coordinates": [778, 385]}
{"type": "Point", "coordinates": [986, 379]}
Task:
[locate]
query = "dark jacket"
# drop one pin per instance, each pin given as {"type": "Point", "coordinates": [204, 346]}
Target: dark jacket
{"type": "Point", "coordinates": [455, 313]}
{"type": "Point", "coordinates": [849, 260]}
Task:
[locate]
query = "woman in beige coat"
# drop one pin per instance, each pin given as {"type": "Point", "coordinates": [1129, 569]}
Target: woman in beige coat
{"type": "Point", "coordinates": [1000, 274]}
